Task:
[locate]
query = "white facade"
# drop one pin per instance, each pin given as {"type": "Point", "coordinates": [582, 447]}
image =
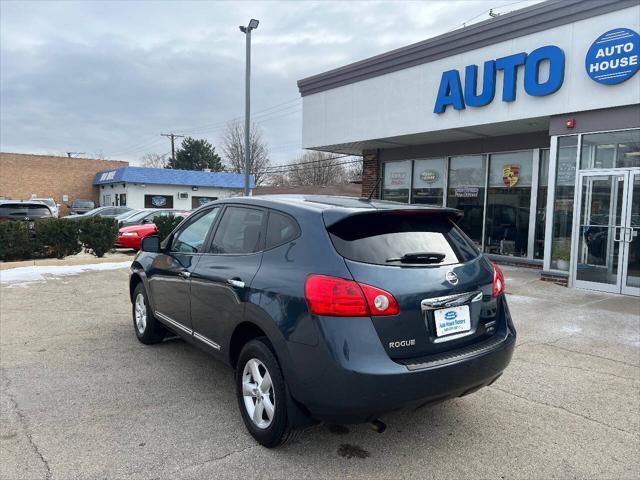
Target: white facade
{"type": "Point", "coordinates": [183, 196]}
{"type": "Point", "coordinates": [400, 104]}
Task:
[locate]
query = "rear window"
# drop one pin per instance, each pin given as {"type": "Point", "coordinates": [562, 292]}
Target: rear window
{"type": "Point", "coordinates": [384, 239]}
{"type": "Point", "coordinates": [280, 230]}
{"type": "Point", "coordinates": [24, 210]}
{"type": "Point", "coordinates": [82, 204]}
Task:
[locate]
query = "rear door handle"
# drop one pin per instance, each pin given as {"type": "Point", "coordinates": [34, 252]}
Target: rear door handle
{"type": "Point", "coordinates": [184, 274]}
{"type": "Point", "coordinates": [234, 282]}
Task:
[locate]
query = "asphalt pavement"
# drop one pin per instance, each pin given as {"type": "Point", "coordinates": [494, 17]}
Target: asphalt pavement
{"type": "Point", "coordinates": [82, 398]}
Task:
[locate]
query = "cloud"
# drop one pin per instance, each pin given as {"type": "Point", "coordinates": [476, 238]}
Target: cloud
{"type": "Point", "coordinates": [109, 77]}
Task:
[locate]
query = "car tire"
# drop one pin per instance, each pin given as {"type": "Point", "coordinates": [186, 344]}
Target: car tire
{"type": "Point", "coordinates": [255, 400]}
{"type": "Point", "coordinates": [148, 329]}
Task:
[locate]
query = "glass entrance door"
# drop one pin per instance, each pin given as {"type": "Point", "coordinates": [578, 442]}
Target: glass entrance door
{"type": "Point", "coordinates": [605, 242]}
{"type": "Point", "coordinates": [631, 238]}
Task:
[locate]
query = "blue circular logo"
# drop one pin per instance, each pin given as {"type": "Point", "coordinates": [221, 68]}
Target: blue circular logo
{"type": "Point", "coordinates": [614, 56]}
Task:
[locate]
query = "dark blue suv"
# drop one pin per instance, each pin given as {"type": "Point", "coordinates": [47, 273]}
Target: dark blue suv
{"type": "Point", "coordinates": [329, 309]}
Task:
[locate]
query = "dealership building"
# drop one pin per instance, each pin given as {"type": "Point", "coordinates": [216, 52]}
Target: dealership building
{"type": "Point", "coordinates": [528, 122]}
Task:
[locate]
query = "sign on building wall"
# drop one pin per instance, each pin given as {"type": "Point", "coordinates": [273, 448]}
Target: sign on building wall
{"type": "Point", "coordinates": [613, 57]}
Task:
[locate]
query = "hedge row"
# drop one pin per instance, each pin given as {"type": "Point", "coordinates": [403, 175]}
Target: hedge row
{"type": "Point", "coordinates": [56, 237]}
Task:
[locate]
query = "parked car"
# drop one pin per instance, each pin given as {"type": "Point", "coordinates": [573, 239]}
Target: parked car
{"type": "Point", "coordinates": [127, 214]}
{"type": "Point", "coordinates": [26, 211]}
{"type": "Point", "coordinates": [109, 212]}
{"type": "Point", "coordinates": [51, 203]}
{"type": "Point", "coordinates": [329, 309]}
{"type": "Point", "coordinates": [147, 215]}
{"type": "Point", "coordinates": [131, 236]}
{"type": "Point", "coordinates": [79, 207]}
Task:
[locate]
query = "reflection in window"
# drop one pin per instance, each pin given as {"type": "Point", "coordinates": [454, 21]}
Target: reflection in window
{"type": "Point", "coordinates": [191, 238]}
{"type": "Point", "coordinates": [563, 202]}
{"type": "Point", "coordinates": [397, 179]}
{"type": "Point", "coordinates": [508, 203]}
{"type": "Point", "coordinates": [428, 182]}
{"type": "Point", "coordinates": [541, 205]}
{"type": "Point", "coordinates": [611, 150]}
{"type": "Point", "coordinates": [466, 192]}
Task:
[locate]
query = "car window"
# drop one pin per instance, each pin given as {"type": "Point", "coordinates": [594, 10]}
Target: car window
{"type": "Point", "coordinates": [239, 231]}
{"type": "Point", "coordinates": [23, 210]}
{"type": "Point", "coordinates": [82, 204]}
{"type": "Point", "coordinates": [191, 237]}
{"type": "Point", "coordinates": [384, 239]}
{"type": "Point", "coordinates": [280, 229]}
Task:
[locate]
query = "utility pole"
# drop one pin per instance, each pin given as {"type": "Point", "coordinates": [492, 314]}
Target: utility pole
{"type": "Point", "coordinates": [173, 137]}
{"type": "Point", "coordinates": [253, 24]}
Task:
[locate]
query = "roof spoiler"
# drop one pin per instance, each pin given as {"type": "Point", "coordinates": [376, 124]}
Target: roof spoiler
{"type": "Point", "coordinates": [333, 216]}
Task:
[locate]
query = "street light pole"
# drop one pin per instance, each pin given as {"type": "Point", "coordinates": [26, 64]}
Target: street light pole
{"type": "Point", "coordinates": [253, 24]}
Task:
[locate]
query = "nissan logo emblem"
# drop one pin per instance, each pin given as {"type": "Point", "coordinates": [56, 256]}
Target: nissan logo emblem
{"type": "Point", "coordinates": [452, 278]}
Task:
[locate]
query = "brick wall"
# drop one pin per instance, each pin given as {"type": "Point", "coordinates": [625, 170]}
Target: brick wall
{"type": "Point", "coordinates": [48, 176]}
{"type": "Point", "coordinates": [370, 173]}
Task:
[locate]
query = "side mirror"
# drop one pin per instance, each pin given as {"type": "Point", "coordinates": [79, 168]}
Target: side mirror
{"type": "Point", "coordinates": [146, 220]}
{"type": "Point", "coordinates": [150, 244]}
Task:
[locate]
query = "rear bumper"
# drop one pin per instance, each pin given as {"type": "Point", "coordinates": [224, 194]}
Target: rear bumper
{"type": "Point", "coordinates": [353, 382]}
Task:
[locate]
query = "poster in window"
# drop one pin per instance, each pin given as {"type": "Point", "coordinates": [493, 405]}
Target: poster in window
{"type": "Point", "coordinates": [158, 201]}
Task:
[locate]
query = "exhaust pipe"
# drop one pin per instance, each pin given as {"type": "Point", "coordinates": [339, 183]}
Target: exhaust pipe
{"type": "Point", "coordinates": [378, 425]}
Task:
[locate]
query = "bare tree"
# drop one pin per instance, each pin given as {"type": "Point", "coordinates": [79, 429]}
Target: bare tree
{"type": "Point", "coordinates": [154, 160]}
{"type": "Point", "coordinates": [319, 168]}
{"type": "Point", "coordinates": [233, 150]}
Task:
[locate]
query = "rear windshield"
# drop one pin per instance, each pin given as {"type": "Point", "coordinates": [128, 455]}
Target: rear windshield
{"type": "Point", "coordinates": [82, 204]}
{"type": "Point", "coordinates": [26, 210]}
{"type": "Point", "coordinates": [397, 239]}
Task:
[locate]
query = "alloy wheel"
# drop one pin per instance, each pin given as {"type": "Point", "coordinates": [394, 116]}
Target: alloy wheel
{"type": "Point", "coordinates": [258, 394]}
{"type": "Point", "coordinates": [140, 314]}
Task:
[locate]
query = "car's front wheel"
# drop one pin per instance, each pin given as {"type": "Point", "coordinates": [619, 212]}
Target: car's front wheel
{"type": "Point", "coordinates": [147, 328]}
{"type": "Point", "coordinates": [262, 396]}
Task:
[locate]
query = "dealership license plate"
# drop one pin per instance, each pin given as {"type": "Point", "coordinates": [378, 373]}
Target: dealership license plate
{"type": "Point", "coordinates": [452, 320]}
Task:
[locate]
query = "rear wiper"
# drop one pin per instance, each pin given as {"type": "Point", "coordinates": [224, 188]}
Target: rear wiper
{"type": "Point", "coordinates": [419, 257]}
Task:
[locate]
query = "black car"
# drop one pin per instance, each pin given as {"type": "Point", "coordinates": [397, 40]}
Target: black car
{"type": "Point", "coordinates": [329, 309]}
{"type": "Point", "coordinates": [25, 211]}
{"type": "Point", "coordinates": [109, 212]}
{"type": "Point", "coordinates": [80, 207]}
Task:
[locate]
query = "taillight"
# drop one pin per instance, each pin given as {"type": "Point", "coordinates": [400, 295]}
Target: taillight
{"type": "Point", "coordinates": [379, 301]}
{"type": "Point", "coordinates": [498, 281]}
{"type": "Point", "coordinates": [337, 297]}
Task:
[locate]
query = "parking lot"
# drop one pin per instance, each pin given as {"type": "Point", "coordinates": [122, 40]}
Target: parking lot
{"type": "Point", "coordinates": [82, 398]}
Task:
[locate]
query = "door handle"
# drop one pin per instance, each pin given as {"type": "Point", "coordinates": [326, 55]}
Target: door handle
{"type": "Point", "coordinates": [617, 234]}
{"type": "Point", "coordinates": [184, 274]}
{"type": "Point", "coordinates": [234, 282]}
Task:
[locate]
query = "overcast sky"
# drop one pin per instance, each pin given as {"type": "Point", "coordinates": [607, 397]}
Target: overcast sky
{"type": "Point", "coordinates": [106, 78]}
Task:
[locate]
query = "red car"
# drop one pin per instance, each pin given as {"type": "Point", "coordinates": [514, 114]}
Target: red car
{"type": "Point", "coordinates": [130, 237]}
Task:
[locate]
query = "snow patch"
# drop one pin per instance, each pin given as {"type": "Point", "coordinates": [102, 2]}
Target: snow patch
{"type": "Point", "coordinates": [34, 274]}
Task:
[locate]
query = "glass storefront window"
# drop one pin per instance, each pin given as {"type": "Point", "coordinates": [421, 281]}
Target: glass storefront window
{"type": "Point", "coordinates": [508, 203]}
{"type": "Point", "coordinates": [397, 179]}
{"type": "Point", "coordinates": [563, 202]}
{"type": "Point", "coordinates": [610, 150]}
{"type": "Point", "coordinates": [466, 192]}
{"type": "Point", "coordinates": [541, 204]}
{"type": "Point", "coordinates": [428, 182]}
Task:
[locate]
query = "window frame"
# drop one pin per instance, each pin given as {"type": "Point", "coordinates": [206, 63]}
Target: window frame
{"type": "Point", "coordinates": [168, 244]}
{"type": "Point", "coordinates": [214, 230]}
